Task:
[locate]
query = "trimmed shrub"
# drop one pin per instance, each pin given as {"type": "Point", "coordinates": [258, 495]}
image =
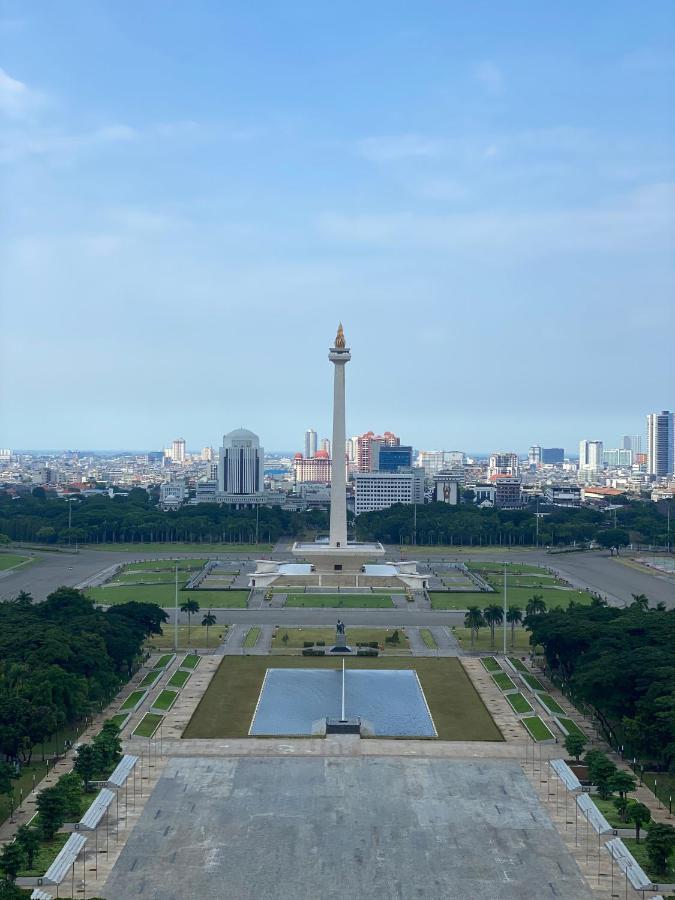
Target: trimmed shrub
{"type": "Point", "coordinates": [367, 651]}
{"type": "Point", "coordinates": [307, 644]}
{"type": "Point", "coordinates": [311, 651]}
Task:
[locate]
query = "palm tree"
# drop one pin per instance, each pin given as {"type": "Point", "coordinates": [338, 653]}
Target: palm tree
{"type": "Point", "coordinates": [474, 620]}
{"type": "Point", "coordinates": [208, 620]}
{"type": "Point", "coordinates": [640, 601]}
{"type": "Point", "coordinates": [493, 615]}
{"type": "Point", "coordinates": [514, 616]}
{"type": "Point", "coordinates": [190, 607]}
{"type": "Point", "coordinates": [535, 605]}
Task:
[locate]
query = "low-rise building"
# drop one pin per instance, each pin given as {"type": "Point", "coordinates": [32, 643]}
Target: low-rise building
{"type": "Point", "coordinates": [563, 494]}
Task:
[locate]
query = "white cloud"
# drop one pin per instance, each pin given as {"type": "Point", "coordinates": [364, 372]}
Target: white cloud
{"type": "Point", "coordinates": [46, 142]}
{"type": "Point", "coordinates": [17, 100]}
{"type": "Point", "coordinates": [490, 76]}
{"type": "Point", "coordinates": [390, 148]}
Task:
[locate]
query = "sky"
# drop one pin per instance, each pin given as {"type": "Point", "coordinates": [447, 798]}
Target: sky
{"type": "Point", "coordinates": [194, 194]}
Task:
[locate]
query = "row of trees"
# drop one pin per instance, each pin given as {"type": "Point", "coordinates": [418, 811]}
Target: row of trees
{"type": "Point", "coordinates": [493, 615]}
{"type": "Point", "coordinates": [63, 659]}
{"type": "Point", "coordinates": [620, 662]}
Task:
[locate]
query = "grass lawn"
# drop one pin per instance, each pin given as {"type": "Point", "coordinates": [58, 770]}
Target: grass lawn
{"type": "Point", "coordinates": [517, 596]}
{"type": "Point", "coordinates": [345, 601]}
{"type": "Point", "coordinates": [297, 637]}
{"type": "Point", "coordinates": [537, 728]}
{"type": "Point", "coordinates": [428, 638]}
{"type": "Point", "coordinates": [227, 707]}
{"type": "Point", "coordinates": [519, 704]}
{"type": "Point", "coordinates": [551, 705]}
{"type": "Point", "coordinates": [490, 663]}
{"type": "Point", "coordinates": [165, 565]}
{"type": "Point", "coordinates": [23, 782]}
{"type": "Point", "coordinates": [10, 560]}
{"type": "Point", "coordinates": [164, 595]}
{"type": "Point", "coordinates": [518, 664]}
{"type": "Point", "coordinates": [639, 851]}
{"type": "Point", "coordinates": [571, 726]}
{"type": "Point", "coordinates": [534, 683]}
{"type": "Point", "coordinates": [148, 725]}
{"type": "Point", "coordinates": [45, 856]}
{"type": "Point", "coordinates": [131, 701]}
{"type": "Point", "coordinates": [200, 549]}
{"type": "Point", "coordinates": [608, 810]}
{"type": "Point", "coordinates": [665, 784]}
{"type": "Point", "coordinates": [119, 719]}
{"type": "Point", "coordinates": [191, 661]}
{"type": "Point", "coordinates": [503, 682]}
{"type": "Point", "coordinates": [198, 637]}
{"type": "Point", "coordinates": [165, 700]}
{"type": "Point", "coordinates": [178, 679]}
{"type": "Point", "coordinates": [494, 568]}
{"type": "Point", "coordinates": [164, 661]}
{"type": "Point", "coordinates": [484, 641]}
{"type": "Point", "coordinates": [150, 678]}
{"type": "Point", "coordinates": [252, 637]}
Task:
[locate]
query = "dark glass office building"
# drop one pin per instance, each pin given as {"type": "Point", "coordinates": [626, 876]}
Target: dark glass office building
{"type": "Point", "coordinates": [393, 459]}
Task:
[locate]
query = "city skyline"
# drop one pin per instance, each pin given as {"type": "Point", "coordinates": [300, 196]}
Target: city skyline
{"type": "Point", "coordinates": [486, 202]}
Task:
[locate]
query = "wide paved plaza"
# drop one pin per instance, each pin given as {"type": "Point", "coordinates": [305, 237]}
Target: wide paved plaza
{"type": "Point", "coordinates": [291, 829]}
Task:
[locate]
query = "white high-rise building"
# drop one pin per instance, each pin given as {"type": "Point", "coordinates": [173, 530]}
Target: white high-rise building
{"type": "Point", "coordinates": [207, 454]}
{"type": "Point", "coordinates": [504, 464]}
{"type": "Point", "coordinates": [325, 445]}
{"type": "Point", "coordinates": [632, 442]}
{"type": "Point", "coordinates": [178, 450]}
{"type": "Point", "coordinates": [660, 443]}
{"type": "Point", "coordinates": [310, 443]}
{"type": "Point", "coordinates": [241, 463]}
{"type": "Point", "coordinates": [591, 456]}
{"type": "Point", "coordinates": [379, 490]}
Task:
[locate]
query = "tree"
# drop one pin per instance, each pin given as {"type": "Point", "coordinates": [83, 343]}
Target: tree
{"type": "Point", "coordinates": [474, 620]}
{"type": "Point", "coordinates": [11, 860]}
{"type": "Point", "coordinates": [600, 771]}
{"type": "Point", "coordinates": [51, 804]}
{"type": "Point", "coordinates": [622, 782]}
{"type": "Point", "coordinates": [621, 805]}
{"type": "Point", "coordinates": [514, 616]}
{"type": "Point", "coordinates": [190, 607]}
{"type": "Point", "coordinates": [639, 815]}
{"type": "Point", "coordinates": [660, 843]}
{"type": "Point", "coordinates": [29, 840]}
{"type": "Point", "coordinates": [9, 891]}
{"type": "Point", "coordinates": [640, 601]}
{"type": "Point", "coordinates": [612, 537]}
{"type": "Point", "coordinates": [6, 775]}
{"type": "Point", "coordinates": [493, 615]}
{"type": "Point", "coordinates": [208, 620]}
{"type": "Point", "coordinates": [575, 744]}
{"type": "Point", "coordinates": [87, 763]}
{"type": "Point", "coordinates": [535, 605]}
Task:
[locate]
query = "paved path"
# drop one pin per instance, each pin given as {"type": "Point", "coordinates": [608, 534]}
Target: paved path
{"type": "Point", "coordinates": [314, 617]}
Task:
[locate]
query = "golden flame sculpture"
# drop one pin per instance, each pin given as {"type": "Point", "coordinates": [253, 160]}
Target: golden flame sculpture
{"type": "Point", "coordinates": [340, 338]}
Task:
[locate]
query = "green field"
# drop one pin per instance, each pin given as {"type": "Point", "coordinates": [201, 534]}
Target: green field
{"type": "Point", "coordinates": [344, 601]}
{"type": "Point", "coordinates": [428, 639]}
{"type": "Point", "coordinates": [538, 729]}
{"type": "Point", "coordinates": [481, 567]}
{"type": "Point", "coordinates": [227, 707]}
{"type": "Point", "coordinates": [199, 549]}
{"type": "Point", "coordinates": [164, 565]}
{"type": "Point", "coordinates": [490, 663]}
{"type": "Point", "coordinates": [131, 701]}
{"type": "Point", "coordinates": [191, 661]}
{"type": "Point", "coordinates": [571, 726]}
{"type": "Point", "coordinates": [252, 637]}
{"type": "Point", "coordinates": [553, 597]}
{"type": "Point", "coordinates": [297, 637]}
{"type": "Point", "coordinates": [552, 705]}
{"type": "Point", "coordinates": [503, 682]}
{"type": "Point", "coordinates": [519, 704]}
{"type": "Point", "coordinates": [165, 700]}
{"type": "Point", "coordinates": [10, 560]}
{"type": "Point", "coordinates": [518, 664]}
{"type": "Point", "coordinates": [164, 595]}
{"type": "Point", "coordinates": [484, 642]}
{"type": "Point", "coordinates": [119, 719]}
{"type": "Point", "coordinates": [164, 661]}
{"type": "Point", "coordinates": [150, 678]}
{"type": "Point", "coordinates": [534, 683]}
{"type": "Point", "coordinates": [47, 853]}
{"type": "Point", "coordinates": [148, 725]}
{"type": "Point", "coordinates": [639, 851]}
{"type": "Point", "coordinates": [198, 636]}
{"type": "Point", "coordinates": [178, 679]}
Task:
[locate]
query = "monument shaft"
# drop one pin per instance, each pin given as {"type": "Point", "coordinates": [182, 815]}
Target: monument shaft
{"type": "Point", "coordinates": [339, 355]}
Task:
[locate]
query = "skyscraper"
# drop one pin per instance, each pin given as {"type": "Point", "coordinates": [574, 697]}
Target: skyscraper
{"type": "Point", "coordinates": [660, 443]}
{"type": "Point", "coordinates": [325, 445]}
{"type": "Point", "coordinates": [178, 450]}
{"type": "Point", "coordinates": [240, 466]}
{"type": "Point", "coordinates": [310, 443]}
{"type": "Point", "coordinates": [590, 456]}
{"type": "Point", "coordinates": [632, 442]}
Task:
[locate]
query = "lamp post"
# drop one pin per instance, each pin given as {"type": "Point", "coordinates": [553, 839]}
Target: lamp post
{"type": "Point", "coordinates": [504, 629]}
{"type": "Point", "coordinates": [175, 615]}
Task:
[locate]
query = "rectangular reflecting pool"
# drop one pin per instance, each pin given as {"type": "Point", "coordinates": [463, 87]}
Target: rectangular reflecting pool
{"type": "Point", "coordinates": [390, 701]}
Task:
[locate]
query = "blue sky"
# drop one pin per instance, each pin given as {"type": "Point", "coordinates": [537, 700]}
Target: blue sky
{"type": "Point", "coordinates": [194, 194]}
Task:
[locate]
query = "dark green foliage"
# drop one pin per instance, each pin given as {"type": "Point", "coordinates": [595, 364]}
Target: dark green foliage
{"type": "Point", "coordinates": [601, 770]}
{"type": "Point", "coordinates": [639, 815]}
{"type": "Point", "coordinates": [51, 804]}
{"type": "Point", "coordinates": [7, 772]}
{"type": "Point", "coordinates": [62, 659]}
{"type": "Point", "coordinates": [620, 662]}
{"type": "Point", "coordinates": [11, 860]}
{"type": "Point", "coordinates": [86, 764]}
{"type": "Point", "coordinates": [660, 842]}
{"type": "Point", "coordinates": [621, 783]}
{"type": "Point", "coordinates": [393, 638]}
{"type": "Point", "coordinates": [9, 891]}
{"type": "Point", "coordinates": [28, 840]}
{"type": "Point", "coordinates": [574, 744]}
{"type": "Point", "coordinates": [367, 651]}
{"type": "Point", "coordinates": [313, 651]}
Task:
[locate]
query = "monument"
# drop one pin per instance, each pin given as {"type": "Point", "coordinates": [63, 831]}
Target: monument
{"type": "Point", "coordinates": [338, 562]}
{"type": "Point", "coordinates": [340, 639]}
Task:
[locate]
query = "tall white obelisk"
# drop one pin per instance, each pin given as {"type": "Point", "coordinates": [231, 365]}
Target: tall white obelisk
{"type": "Point", "coordinates": [339, 355]}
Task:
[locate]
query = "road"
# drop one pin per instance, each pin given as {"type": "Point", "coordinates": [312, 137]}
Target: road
{"type": "Point", "coordinates": [597, 571]}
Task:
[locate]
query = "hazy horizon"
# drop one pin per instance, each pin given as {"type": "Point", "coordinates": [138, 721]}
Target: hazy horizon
{"type": "Point", "coordinates": [194, 195]}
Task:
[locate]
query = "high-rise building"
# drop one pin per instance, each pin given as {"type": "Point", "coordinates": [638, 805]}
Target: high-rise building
{"type": "Point", "coordinates": [389, 458]}
{"type": "Point", "coordinates": [660, 443]}
{"type": "Point", "coordinates": [504, 464]}
{"type": "Point", "coordinates": [379, 490]}
{"type": "Point", "coordinates": [632, 442]}
{"type": "Point", "coordinates": [325, 445]}
{"type": "Point", "coordinates": [178, 450]}
{"type": "Point", "coordinates": [310, 443]}
{"type": "Point", "coordinates": [364, 444]}
{"type": "Point", "coordinates": [240, 467]}
{"type": "Point", "coordinates": [546, 456]}
{"type": "Point", "coordinates": [590, 456]}
{"type": "Point", "coordinates": [316, 468]}
{"type": "Point", "coordinates": [618, 458]}
{"type": "Point", "coordinates": [206, 454]}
